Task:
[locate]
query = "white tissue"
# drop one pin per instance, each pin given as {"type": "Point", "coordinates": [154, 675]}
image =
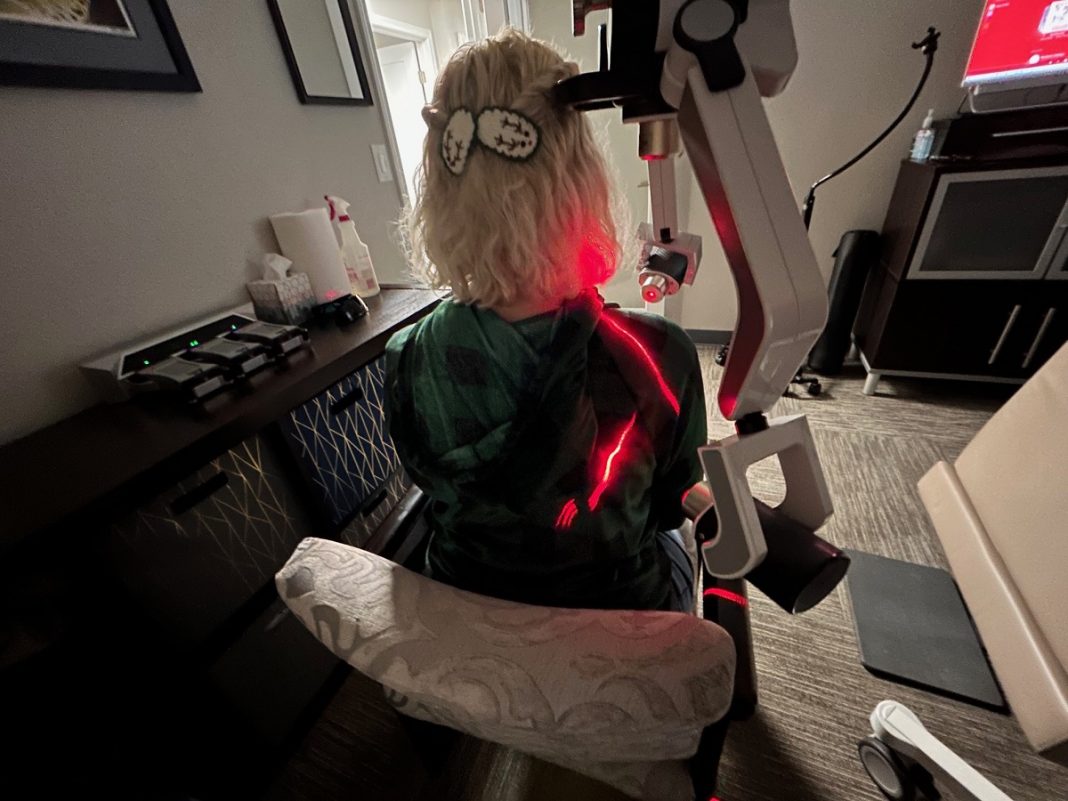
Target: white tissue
{"type": "Point", "coordinates": [275, 267]}
{"type": "Point", "coordinates": [308, 239]}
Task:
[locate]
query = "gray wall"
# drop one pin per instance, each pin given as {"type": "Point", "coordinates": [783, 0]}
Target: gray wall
{"type": "Point", "coordinates": [128, 212]}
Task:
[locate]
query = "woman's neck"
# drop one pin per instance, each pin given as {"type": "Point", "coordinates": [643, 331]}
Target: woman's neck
{"type": "Point", "coordinates": [526, 307]}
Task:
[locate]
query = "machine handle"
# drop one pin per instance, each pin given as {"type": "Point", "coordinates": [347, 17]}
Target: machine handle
{"type": "Point", "coordinates": [374, 503]}
{"type": "Point", "coordinates": [345, 401]}
{"type": "Point", "coordinates": [1004, 334]}
{"type": "Point", "coordinates": [1031, 132]}
{"type": "Point", "coordinates": [183, 503]}
{"type": "Point", "coordinates": [276, 621]}
{"type": "Point", "coordinates": [1038, 338]}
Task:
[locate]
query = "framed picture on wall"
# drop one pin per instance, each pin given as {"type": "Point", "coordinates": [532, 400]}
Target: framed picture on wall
{"type": "Point", "coordinates": [321, 50]}
{"type": "Point", "coordinates": [93, 44]}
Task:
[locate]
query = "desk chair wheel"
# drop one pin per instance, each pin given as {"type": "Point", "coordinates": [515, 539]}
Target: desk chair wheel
{"type": "Point", "coordinates": [886, 770]}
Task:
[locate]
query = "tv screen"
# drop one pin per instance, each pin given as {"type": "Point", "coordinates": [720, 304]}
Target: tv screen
{"type": "Point", "coordinates": [1020, 43]}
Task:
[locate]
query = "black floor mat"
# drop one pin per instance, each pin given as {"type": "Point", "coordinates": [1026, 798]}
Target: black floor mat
{"type": "Point", "coordinates": [913, 627]}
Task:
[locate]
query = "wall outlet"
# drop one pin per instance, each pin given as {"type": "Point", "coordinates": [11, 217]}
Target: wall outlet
{"type": "Point", "coordinates": [382, 166]}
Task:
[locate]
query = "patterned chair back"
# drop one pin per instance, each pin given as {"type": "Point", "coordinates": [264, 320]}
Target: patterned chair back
{"type": "Point", "coordinates": [621, 696]}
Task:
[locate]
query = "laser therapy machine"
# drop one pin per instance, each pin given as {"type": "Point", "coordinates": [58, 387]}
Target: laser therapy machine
{"type": "Point", "coordinates": [698, 69]}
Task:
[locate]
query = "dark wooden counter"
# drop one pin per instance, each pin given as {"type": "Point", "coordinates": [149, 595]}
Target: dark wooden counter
{"type": "Point", "coordinates": [71, 472]}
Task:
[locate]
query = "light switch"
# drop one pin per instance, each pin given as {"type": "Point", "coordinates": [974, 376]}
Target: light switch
{"type": "Point", "coordinates": [382, 167]}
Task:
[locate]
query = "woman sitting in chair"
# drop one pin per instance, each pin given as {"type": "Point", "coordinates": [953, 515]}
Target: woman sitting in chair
{"type": "Point", "coordinates": [554, 436]}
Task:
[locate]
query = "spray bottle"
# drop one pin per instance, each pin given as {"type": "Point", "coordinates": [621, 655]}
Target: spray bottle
{"type": "Point", "coordinates": [354, 253]}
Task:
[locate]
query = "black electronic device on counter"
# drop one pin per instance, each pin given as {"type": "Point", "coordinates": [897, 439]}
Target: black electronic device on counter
{"type": "Point", "coordinates": [238, 359]}
{"type": "Point", "coordinates": [197, 361]}
{"type": "Point", "coordinates": [279, 340]}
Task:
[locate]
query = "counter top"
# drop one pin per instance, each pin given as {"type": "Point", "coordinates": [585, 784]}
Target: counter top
{"type": "Point", "coordinates": [93, 462]}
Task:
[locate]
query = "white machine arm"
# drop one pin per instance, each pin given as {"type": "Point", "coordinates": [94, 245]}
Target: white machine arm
{"type": "Point", "coordinates": [706, 63]}
{"type": "Point", "coordinates": [699, 67]}
{"type": "Point", "coordinates": [782, 300]}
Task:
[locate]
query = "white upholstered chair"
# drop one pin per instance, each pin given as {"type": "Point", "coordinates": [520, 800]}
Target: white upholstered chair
{"type": "Point", "coordinates": [1001, 512]}
{"type": "Point", "coordinates": [624, 697]}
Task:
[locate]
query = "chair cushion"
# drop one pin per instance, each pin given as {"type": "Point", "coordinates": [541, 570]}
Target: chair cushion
{"type": "Point", "coordinates": [1000, 514]}
{"type": "Point", "coordinates": [1015, 474]}
{"type": "Point", "coordinates": [1033, 681]}
{"type": "Point", "coordinates": [586, 685]}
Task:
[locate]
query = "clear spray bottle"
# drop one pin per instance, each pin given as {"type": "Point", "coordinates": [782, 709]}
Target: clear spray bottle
{"type": "Point", "coordinates": [354, 253]}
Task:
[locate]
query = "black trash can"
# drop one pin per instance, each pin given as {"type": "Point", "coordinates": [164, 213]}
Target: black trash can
{"type": "Point", "coordinates": [854, 256]}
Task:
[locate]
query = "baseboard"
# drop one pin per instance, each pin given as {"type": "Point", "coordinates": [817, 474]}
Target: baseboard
{"type": "Point", "coordinates": [703, 336]}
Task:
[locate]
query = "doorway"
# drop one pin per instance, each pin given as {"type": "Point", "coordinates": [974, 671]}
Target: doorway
{"type": "Point", "coordinates": [411, 39]}
{"type": "Point", "coordinates": [408, 66]}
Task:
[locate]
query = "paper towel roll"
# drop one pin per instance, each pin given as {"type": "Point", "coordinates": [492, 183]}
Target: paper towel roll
{"type": "Point", "coordinates": [307, 238]}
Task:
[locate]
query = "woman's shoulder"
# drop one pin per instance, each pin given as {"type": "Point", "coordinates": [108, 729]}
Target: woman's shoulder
{"type": "Point", "coordinates": [446, 315]}
{"type": "Point", "coordinates": [654, 330]}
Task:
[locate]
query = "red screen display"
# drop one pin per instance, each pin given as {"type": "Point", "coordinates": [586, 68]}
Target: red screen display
{"type": "Point", "coordinates": [1018, 39]}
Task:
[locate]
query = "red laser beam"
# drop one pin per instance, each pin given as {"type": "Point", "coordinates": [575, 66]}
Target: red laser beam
{"type": "Point", "coordinates": [727, 595]}
{"type": "Point", "coordinates": [640, 349]}
{"type": "Point", "coordinates": [593, 266]}
{"type": "Point", "coordinates": [598, 491]}
{"type": "Point", "coordinates": [567, 515]}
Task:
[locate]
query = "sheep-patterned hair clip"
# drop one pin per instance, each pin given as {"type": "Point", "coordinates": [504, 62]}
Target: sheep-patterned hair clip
{"type": "Point", "coordinates": [506, 132]}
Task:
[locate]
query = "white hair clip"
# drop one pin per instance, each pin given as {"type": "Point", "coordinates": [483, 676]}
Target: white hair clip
{"type": "Point", "coordinates": [507, 133]}
{"type": "Point", "coordinates": [457, 139]}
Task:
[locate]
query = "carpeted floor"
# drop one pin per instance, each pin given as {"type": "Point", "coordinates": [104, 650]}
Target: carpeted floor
{"type": "Point", "coordinates": [814, 695]}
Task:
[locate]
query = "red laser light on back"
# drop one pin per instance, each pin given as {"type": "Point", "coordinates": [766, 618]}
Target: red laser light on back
{"type": "Point", "coordinates": [639, 350]}
{"type": "Point", "coordinates": [606, 478]}
{"type": "Point", "coordinates": [567, 515]}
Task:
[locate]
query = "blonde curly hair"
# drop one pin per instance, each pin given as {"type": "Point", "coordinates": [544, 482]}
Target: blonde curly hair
{"type": "Point", "coordinates": [507, 230]}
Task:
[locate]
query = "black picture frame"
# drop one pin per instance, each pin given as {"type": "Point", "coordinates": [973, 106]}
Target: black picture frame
{"type": "Point", "coordinates": [294, 67]}
{"type": "Point", "coordinates": [182, 78]}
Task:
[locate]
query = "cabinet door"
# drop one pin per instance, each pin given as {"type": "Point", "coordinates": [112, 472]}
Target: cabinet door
{"type": "Point", "coordinates": [992, 224]}
{"type": "Point", "coordinates": [200, 550]}
{"type": "Point", "coordinates": [955, 328]}
{"type": "Point", "coordinates": [1047, 332]}
{"type": "Point", "coordinates": [270, 675]}
{"type": "Point", "coordinates": [340, 439]}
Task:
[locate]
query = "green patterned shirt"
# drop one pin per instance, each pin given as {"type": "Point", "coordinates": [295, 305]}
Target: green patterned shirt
{"type": "Point", "coordinates": [553, 449]}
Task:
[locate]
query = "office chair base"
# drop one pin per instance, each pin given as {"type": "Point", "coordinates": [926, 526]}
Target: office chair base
{"type": "Point", "coordinates": [908, 763]}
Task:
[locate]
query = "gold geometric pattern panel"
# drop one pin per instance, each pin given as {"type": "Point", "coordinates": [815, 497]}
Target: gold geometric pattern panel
{"type": "Point", "coordinates": [340, 439]}
{"type": "Point", "coordinates": [202, 548]}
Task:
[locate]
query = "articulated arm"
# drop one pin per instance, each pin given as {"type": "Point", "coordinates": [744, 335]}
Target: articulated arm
{"type": "Point", "coordinates": [702, 65]}
{"type": "Point", "coordinates": [782, 301]}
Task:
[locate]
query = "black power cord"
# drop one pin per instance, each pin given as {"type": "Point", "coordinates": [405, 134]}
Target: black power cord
{"type": "Point", "coordinates": [928, 45]}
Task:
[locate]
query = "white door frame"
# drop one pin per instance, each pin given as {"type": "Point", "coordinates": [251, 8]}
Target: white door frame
{"type": "Point", "coordinates": [364, 33]}
{"type": "Point", "coordinates": [423, 38]}
{"type": "Point", "coordinates": [368, 24]}
{"type": "Point", "coordinates": [475, 18]}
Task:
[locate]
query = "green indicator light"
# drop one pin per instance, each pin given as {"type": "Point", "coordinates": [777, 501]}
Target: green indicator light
{"type": "Point", "coordinates": [193, 343]}
{"type": "Point", "coordinates": [233, 327]}
{"type": "Point", "coordinates": [146, 361]}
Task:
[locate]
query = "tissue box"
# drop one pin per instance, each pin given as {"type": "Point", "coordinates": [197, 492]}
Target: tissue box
{"type": "Point", "coordinates": [288, 301]}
